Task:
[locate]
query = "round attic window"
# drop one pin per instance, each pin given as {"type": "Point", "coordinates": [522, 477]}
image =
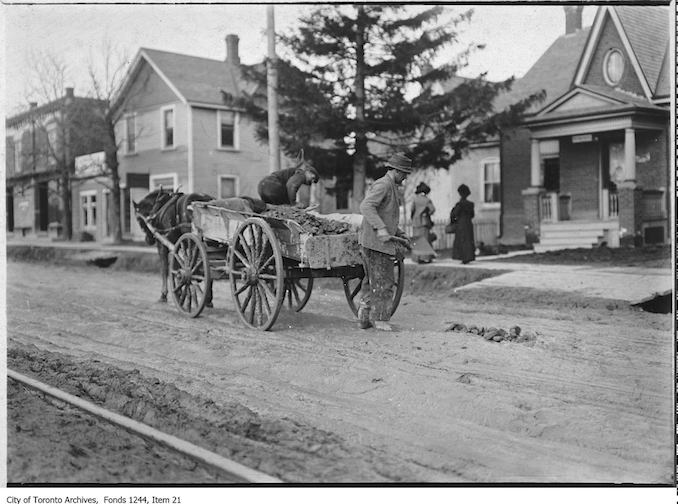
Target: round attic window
{"type": "Point", "coordinates": [613, 66]}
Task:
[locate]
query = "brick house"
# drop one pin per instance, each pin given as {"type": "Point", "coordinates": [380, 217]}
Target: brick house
{"type": "Point", "coordinates": [180, 126]}
{"type": "Point", "coordinates": [40, 144]}
{"type": "Point", "coordinates": [479, 169]}
{"type": "Point", "coordinates": [590, 164]}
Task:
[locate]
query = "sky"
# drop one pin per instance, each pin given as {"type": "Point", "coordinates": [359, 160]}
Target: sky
{"type": "Point", "coordinates": [515, 36]}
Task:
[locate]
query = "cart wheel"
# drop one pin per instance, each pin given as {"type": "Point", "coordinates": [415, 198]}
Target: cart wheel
{"type": "Point", "coordinates": [256, 273]}
{"type": "Point", "coordinates": [298, 292]}
{"type": "Point", "coordinates": [189, 275]}
{"type": "Point", "coordinates": [352, 287]}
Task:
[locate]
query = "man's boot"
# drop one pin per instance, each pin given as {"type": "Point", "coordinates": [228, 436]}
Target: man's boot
{"type": "Point", "coordinates": [364, 317]}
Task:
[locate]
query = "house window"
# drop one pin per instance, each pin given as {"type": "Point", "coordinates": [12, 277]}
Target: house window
{"type": "Point", "coordinates": [613, 66]}
{"type": "Point", "coordinates": [166, 181]}
{"type": "Point", "coordinates": [491, 181]}
{"type": "Point", "coordinates": [168, 128]}
{"type": "Point", "coordinates": [341, 199]}
{"type": "Point", "coordinates": [228, 186]}
{"type": "Point", "coordinates": [130, 133]}
{"type": "Point", "coordinates": [88, 210]}
{"type": "Point", "coordinates": [227, 131]}
{"type": "Point", "coordinates": [17, 157]}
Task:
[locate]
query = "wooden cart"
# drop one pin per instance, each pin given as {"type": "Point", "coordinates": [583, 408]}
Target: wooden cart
{"type": "Point", "coordinates": [270, 262]}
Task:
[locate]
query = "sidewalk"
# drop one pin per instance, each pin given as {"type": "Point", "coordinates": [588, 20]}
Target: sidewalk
{"type": "Point", "coordinates": [93, 246]}
{"type": "Point", "coordinates": [632, 284]}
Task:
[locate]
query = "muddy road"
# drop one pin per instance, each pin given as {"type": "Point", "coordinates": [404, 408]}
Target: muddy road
{"type": "Point", "coordinates": [318, 400]}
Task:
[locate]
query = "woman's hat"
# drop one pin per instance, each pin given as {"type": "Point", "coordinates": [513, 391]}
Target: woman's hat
{"type": "Point", "coordinates": [423, 188]}
{"type": "Point", "coordinates": [463, 190]}
{"type": "Point", "coordinates": [400, 162]}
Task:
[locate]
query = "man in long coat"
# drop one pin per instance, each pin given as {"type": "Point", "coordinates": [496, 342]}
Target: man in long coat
{"type": "Point", "coordinates": [381, 213]}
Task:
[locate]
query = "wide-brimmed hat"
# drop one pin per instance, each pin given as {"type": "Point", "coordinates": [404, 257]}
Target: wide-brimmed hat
{"type": "Point", "coordinates": [423, 188]}
{"type": "Point", "coordinates": [400, 162]}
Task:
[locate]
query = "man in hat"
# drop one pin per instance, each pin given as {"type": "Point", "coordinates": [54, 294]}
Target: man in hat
{"type": "Point", "coordinates": [381, 212]}
{"type": "Point", "coordinates": [281, 187]}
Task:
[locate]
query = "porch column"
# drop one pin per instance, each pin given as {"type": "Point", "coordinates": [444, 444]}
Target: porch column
{"type": "Point", "coordinates": [630, 154]}
{"type": "Point", "coordinates": [630, 196]}
{"type": "Point", "coordinates": [535, 164]}
{"type": "Point", "coordinates": [532, 196]}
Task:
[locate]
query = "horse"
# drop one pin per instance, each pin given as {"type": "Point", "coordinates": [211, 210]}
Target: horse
{"type": "Point", "coordinates": [167, 212]}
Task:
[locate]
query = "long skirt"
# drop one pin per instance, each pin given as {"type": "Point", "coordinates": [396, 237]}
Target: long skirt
{"type": "Point", "coordinates": [422, 251]}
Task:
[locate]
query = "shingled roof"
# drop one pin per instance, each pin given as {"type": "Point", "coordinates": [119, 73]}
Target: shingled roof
{"type": "Point", "coordinates": [647, 28]}
{"type": "Point", "coordinates": [195, 79]}
{"type": "Point", "coordinates": [199, 79]}
{"type": "Point", "coordinates": [553, 72]}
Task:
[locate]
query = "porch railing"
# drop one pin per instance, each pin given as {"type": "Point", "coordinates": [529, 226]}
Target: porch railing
{"type": "Point", "coordinates": [548, 207]}
{"type": "Point", "coordinates": [610, 202]}
{"type": "Point", "coordinates": [613, 205]}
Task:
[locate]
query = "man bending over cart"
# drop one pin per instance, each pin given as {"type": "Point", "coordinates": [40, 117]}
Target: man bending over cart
{"type": "Point", "coordinates": [281, 187]}
{"type": "Point", "coordinates": [378, 237]}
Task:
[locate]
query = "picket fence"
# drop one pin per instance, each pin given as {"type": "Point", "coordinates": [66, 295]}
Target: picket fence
{"type": "Point", "coordinates": [485, 231]}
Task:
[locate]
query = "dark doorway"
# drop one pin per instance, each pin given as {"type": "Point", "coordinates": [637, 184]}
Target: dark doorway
{"type": "Point", "coordinates": [552, 174]}
{"type": "Point", "coordinates": [9, 200]}
{"type": "Point", "coordinates": [43, 206]}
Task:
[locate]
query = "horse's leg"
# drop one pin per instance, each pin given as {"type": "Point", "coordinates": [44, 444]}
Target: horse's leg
{"type": "Point", "coordinates": [163, 252]}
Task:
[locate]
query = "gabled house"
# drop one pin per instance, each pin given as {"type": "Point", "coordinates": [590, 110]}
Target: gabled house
{"type": "Point", "coordinates": [590, 164]}
{"type": "Point", "coordinates": [181, 127]}
{"type": "Point", "coordinates": [479, 169]}
{"type": "Point", "coordinates": [41, 145]}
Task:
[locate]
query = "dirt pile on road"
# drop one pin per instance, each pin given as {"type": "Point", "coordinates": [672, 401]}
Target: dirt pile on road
{"type": "Point", "coordinates": [514, 334]}
{"type": "Point", "coordinates": [309, 223]}
{"type": "Point", "coordinates": [280, 447]}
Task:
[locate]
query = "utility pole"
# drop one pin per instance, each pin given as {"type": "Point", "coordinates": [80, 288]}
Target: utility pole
{"type": "Point", "coordinates": [272, 88]}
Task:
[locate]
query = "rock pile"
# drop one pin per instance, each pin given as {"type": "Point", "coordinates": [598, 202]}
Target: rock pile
{"type": "Point", "coordinates": [497, 335]}
{"type": "Point", "coordinates": [309, 223]}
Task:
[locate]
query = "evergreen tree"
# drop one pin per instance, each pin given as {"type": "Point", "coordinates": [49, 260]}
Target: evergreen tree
{"type": "Point", "coordinates": [356, 84]}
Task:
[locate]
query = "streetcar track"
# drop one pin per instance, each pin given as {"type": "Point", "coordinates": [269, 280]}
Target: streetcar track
{"type": "Point", "coordinates": [213, 460]}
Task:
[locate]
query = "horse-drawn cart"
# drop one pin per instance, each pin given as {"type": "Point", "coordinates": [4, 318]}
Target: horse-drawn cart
{"type": "Point", "coordinates": [269, 262]}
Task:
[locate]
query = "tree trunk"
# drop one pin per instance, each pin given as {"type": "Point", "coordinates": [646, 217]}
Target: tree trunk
{"type": "Point", "coordinates": [360, 155]}
{"type": "Point", "coordinates": [111, 153]}
{"type": "Point", "coordinates": [67, 217]}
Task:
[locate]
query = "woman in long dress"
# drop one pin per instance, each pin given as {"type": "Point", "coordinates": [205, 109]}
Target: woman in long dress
{"type": "Point", "coordinates": [422, 209]}
{"type": "Point", "coordinates": [464, 246]}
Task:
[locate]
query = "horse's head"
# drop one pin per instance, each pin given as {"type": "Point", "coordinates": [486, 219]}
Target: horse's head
{"type": "Point", "coordinates": [148, 208]}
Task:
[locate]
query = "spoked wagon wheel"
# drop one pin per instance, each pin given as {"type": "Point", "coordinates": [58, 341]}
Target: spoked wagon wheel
{"type": "Point", "coordinates": [297, 292]}
{"type": "Point", "coordinates": [189, 275]}
{"type": "Point", "coordinates": [353, 286]}
{"type": "Point", "coordinates": [256, 273]}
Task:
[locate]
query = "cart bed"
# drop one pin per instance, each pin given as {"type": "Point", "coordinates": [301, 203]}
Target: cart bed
{"type": "Point", "coordinates": [218, 224]}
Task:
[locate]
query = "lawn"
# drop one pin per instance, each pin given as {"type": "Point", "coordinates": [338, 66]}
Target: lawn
{"type": "Point", "coordinates": [651, 256]}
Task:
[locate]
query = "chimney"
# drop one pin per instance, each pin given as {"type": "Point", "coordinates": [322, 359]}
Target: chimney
{"type": "Point", "coordinates": [69, 92]}
{"type": "Point", "coordinates": [572, 18]}
{"type": "Point", "coordinates": [232, 49]}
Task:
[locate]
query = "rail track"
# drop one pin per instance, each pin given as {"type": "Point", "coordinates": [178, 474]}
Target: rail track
{"type": "Point", "coordinates": [229, 468]}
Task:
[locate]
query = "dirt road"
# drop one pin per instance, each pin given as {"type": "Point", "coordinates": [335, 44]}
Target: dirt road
{"type": "Point", "coordinates": [589, 401]}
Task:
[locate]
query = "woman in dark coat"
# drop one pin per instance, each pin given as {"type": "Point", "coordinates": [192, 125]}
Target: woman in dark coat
{"type": "Point", "coordinates": [464, 247]}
